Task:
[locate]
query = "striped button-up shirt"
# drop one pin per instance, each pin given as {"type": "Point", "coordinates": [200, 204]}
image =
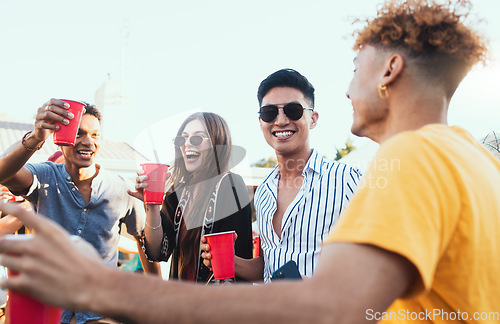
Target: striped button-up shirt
{"type": "Point", "coordinates": [326, 190]}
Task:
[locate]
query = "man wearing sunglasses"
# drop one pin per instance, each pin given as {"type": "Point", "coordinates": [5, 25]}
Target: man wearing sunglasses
{"type": "Point", "coordinates": [300, 201]}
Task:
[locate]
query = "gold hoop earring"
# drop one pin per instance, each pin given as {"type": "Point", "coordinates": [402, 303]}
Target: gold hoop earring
{"type": "Point", "coordinates": [382, 91]}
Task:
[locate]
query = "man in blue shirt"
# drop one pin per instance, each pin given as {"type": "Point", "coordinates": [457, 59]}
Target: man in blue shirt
{"type": "Point", "coordinates": [86, 200]}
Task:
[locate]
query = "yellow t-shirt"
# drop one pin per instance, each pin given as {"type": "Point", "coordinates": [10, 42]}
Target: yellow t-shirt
{"type": "Point", "coordinates": [433, 196]}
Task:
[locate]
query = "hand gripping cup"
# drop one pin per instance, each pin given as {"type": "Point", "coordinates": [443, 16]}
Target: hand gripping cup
{"type": "Point", "coordinates": [222, 251]}
{"type": "Point", "coordinates": [66, 135]}
{"type": "Point", "coordinates": [24, 309]}
{"type": "Point", "coordinates": [157, 176]}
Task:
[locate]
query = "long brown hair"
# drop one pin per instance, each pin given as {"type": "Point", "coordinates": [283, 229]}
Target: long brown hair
{"type": "Point", "coordinates": [201, 182]}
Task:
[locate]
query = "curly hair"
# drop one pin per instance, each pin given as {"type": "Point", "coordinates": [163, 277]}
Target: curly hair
{"type": "Point", "coordinates": [430, 34]}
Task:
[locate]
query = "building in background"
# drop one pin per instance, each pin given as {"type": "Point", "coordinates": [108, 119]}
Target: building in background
{"type": "Point", "coordinates": [116, 110]}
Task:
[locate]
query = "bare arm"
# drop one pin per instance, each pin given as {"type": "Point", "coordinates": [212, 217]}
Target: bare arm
{"type": "Point", "coordinates": [249, 269]}
{"type": "Point", "coordinates": [149, 267]}
{"type": "Point", "coordinates": [350, 279]}
{"type": "Point", "coordinates": [12, 173]}
{"type": "Point", "coordinates": [153, 231]}
{"type": "Point", "coordinates": [9, 224]}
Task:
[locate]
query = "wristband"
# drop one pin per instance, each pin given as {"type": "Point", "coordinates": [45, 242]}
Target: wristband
{"type": "Point", "coordinates": [153, 227]}
{"type": "Point", "coordinates": [36, 148]}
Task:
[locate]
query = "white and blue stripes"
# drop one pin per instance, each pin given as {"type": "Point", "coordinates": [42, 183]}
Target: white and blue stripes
{"type": "Point", "coordinates": [326, 190]}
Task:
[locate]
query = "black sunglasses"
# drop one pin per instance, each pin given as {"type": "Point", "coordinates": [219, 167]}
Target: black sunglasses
{"type": "Point", "coordinates": [195, 140]}
{"type": "Point", "coordinates": [292, 110]}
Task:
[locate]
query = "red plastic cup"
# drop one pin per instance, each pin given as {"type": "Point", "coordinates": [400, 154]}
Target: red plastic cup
{"type": "Point", "coordinates": [256, 246]}
{"type": "Point", "coordinates": [157, 176]}
{"type": "Point", "coordinates": [66, 135]}
{"type": "Point", "coordinates": [22, 309]}
{"type": "Point", "coordinates": [222, 251]}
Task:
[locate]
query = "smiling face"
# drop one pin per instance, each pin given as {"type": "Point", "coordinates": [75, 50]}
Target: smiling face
{"type": "Point", "coordinates": [370, 111]}
{"type": "Point", "coordinates": [288, 137]}
{"type": "Point", "coordinates": [194, 156]}
{"type": "Point", "coordinates": [87, 144]}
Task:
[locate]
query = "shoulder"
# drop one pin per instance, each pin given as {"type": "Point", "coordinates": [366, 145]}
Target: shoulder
{"type": "Point", "coordinates": [411, 157]}
{"type": "Point", "coordinates": [322, 165]}
{"type": "Point", "coordinates": [340, 166]}
{"type": "Point", "coordinates": [405, 144]}
{"type": "Point", "coordinates": [45, 167]}
{"type": "Point", "coordinates": [114, 178]}
{"type": "Point", "coordinates": [427, 140]}
{"type": "Point", "coordinates": [406, 151]}
{"type": "Point", "coordinates": [232, 179]}
{"type": "Point", "coordinates": [338, 170]}
{"type": "Point", "coordinates": [270, 177]}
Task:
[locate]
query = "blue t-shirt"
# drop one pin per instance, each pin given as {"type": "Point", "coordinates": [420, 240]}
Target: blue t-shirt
{"type": "Point", "coordinates": [54, 195]}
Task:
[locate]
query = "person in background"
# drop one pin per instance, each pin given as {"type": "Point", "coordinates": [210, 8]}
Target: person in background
{"type": "Point", "coordinates": [8, 223]}
{"type": "Point", "coordinates": [491, 142]}
{"type": "Point", "coordinates": [419, 241]}
{"type": "Point", "coordinates": [56, 157]}
{"type": "Point", "coordinates": [203, 197]}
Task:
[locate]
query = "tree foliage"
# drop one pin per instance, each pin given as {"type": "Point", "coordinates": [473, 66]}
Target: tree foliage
{"type": "Point", "coordinates": [271, 162]}
{"type": "Point", "coordinates": [348, 147]}
{"type": "Point", "coordinates": [266, 163]}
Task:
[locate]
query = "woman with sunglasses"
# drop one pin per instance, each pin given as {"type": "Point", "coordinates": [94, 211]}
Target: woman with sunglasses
{"type": "Point", "coordinates": [202, 197]}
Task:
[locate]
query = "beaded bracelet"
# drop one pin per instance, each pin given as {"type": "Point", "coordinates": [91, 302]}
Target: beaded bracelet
{"type": "Point", "coordinates": [36, 148]}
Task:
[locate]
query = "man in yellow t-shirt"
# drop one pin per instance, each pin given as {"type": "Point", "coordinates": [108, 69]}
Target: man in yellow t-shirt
{"type": "Point", "coordinates": [424, 198]}
{"type": "Point", "coordinates": [420, 241]}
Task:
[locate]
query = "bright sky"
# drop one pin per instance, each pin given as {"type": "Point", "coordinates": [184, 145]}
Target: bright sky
{"type": "Point", "coordinates": [181, 56]}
